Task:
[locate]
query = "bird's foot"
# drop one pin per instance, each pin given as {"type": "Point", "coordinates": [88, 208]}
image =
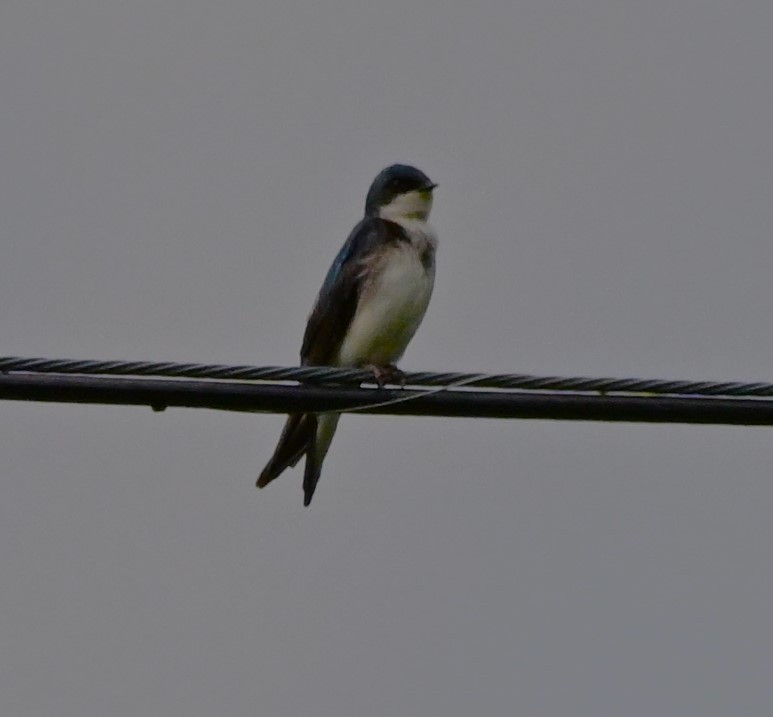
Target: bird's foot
{"type": "Point", "coordinates": [386, 374]}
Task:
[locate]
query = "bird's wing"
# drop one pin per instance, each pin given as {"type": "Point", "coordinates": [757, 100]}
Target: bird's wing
{"type": "Point", "coordinates": [340, 293]}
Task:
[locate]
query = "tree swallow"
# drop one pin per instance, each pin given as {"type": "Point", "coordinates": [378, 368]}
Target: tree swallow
{"type": "Point", "coordinates": [372, 301]}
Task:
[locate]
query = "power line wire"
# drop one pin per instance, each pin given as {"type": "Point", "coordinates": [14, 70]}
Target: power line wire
{"type": "Point", "coordinates": [265, 389]}
{"type": "Point", "coordinates": [327, 374]}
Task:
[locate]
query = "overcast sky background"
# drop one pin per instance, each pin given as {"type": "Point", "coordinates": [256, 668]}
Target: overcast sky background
{"type": "Point", "coordinates": [175, 178]}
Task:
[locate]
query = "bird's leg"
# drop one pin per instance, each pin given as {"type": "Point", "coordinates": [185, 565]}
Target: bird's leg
{"type": "Point", "coordinates": [386, 374]}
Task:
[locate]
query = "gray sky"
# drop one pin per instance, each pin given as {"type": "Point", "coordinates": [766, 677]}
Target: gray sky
{"type": "Point", "coordinates": [175, 178]}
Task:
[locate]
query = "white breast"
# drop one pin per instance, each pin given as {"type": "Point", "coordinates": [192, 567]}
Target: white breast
{"type": "Point", "coordinates": [392, 305]}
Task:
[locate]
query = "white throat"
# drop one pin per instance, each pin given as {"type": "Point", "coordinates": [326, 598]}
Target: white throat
{"type": "Point", "coordinates": [408, 208]}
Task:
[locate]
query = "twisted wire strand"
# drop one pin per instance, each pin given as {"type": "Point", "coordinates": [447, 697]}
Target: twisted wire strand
{"type": "Point", "coordinates": [327, 375]}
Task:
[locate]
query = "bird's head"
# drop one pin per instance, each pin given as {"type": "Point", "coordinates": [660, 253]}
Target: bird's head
{"type": "Point", "coordinates": [400, 192]}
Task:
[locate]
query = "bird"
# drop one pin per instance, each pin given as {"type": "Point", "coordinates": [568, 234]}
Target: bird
{"type": "Point", "coordinates": [371, 302]}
